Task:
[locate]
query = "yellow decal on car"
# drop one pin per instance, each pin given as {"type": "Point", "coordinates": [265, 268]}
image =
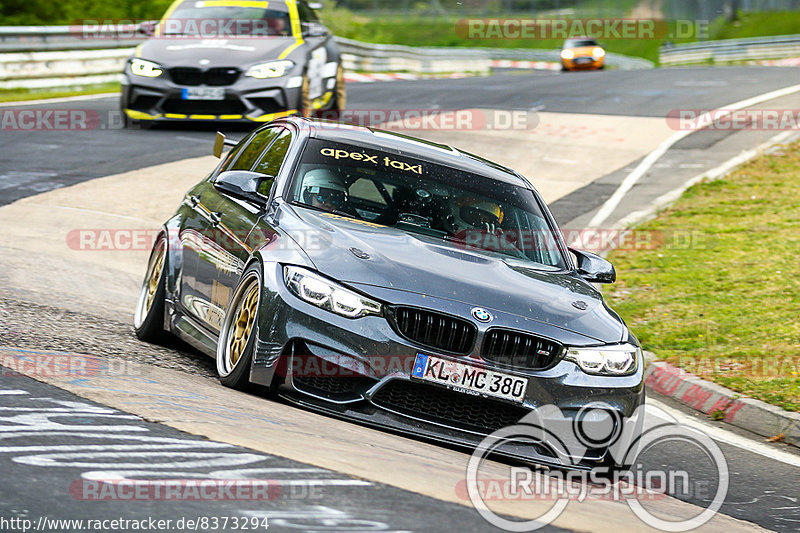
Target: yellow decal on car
{"type": "Point", "coordinates": [139, 115]}
{"type": "Point", "coordinates": [353, 220]}
{"type": "Point", "coordinates": [271, 116]}
{"type": "Point", "coordinates": [232, 3]}
{"type": "Point", "coordinates": [358, 156]}
{"type": "Point", "coordinates": [167, 15]}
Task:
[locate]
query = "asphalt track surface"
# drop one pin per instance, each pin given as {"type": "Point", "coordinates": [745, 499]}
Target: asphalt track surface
{"type": "Point", "coordinates": [763, 490]}
{"type": "Point", "coordinates": [59, 444]}
{"type": "Point", "coordinates": [35, 161]}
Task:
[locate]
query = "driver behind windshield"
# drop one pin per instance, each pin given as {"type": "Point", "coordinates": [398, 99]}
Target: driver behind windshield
{"type": "Point", "coordinates": [426, 199]}
{"type": "Point", "coordinates": [324, 190]}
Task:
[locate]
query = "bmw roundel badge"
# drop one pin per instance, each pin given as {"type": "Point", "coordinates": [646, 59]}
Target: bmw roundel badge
{"type": "Point", "coordinates": [481, 315]}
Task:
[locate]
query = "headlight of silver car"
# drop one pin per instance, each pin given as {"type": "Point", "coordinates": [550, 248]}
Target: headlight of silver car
{"type": "Point", "coordinates": [317, 290]}
{"type": "Point", "coordinates": [611, 360]}
{"type": "Point", "coordinates": [272, 69]}
{"type": "Point", "coordinates": [142, 67]}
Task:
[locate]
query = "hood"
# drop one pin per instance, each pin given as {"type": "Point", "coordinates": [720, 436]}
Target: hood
{"type": "Point", "coordinates": [188, 52]}
{"type": "Point", "coordinates": [423, 265]}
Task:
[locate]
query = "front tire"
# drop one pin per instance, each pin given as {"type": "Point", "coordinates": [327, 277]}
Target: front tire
{"type": "Point", "coordinates": [237, 337]}
{"type": "Point", "coordinates": [340, 96]}
{"type": "Point", "coordinates": [148, 319]}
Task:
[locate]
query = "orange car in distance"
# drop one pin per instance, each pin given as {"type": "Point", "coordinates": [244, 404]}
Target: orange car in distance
{"type": "Point", "coordinates": [582, 53]}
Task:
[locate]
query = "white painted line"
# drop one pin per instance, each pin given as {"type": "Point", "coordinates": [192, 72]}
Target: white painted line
{"type": "Point", "coordinates": [324, 482]}
{"type": "Point", "coordinates": [607, 209]}
{"type": "Point", "coordinates": [725, 436]}
{"type": "Point", "coordinates": [667, 198]}
{"type": "Point", "coordinates": [12, 392]}
{"type": "Point", "coordinates": [98, 96]}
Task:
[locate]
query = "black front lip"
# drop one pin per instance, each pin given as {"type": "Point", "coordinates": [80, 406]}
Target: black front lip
{"type": "Point", "coordinates": [370, 415]}
{"type": "Point", "coordinates": [245, 101]}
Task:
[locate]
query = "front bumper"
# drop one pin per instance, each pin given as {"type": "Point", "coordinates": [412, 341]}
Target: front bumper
{"type": "Point", "coordinates": [246, 100]}
{"type": "Point", "coordinates": [583, 63]}
{"type": "Point", "coordinates": [360, 370]}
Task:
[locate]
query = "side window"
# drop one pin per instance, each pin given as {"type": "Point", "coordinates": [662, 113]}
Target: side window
{"type": "Point", "coordinates": [306, 13]}
{"type": "Point", "coordinates": [272, 159]}
{"type": "Point", "coordinates": [249, 155]}
{"type": "Point", "coordinates": [234, 153]}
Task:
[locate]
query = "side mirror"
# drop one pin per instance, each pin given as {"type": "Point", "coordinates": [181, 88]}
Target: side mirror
{"type": "Point", "coordinates": [220, 142]}
{"type": "Point", "coordinates": [148, 27]}
{"type": "Point", "coordinates": [242, 184]}
{"type": "Point", "coordinates": [594, 268]}
{"type": "Point", "coordinates": [314, 29]}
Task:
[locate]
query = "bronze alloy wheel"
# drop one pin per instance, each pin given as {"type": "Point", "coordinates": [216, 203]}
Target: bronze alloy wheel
{"type": "Point", "coordinates": [152, 279]}
{"type": "Point", "coordinates": [237, 328]}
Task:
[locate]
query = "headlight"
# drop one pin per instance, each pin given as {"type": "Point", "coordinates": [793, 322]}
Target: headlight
{"type": "Point", "coordinates": [148, 69]}
{"type": "Point", "coordinates": [598, 52]}
{"type": "Point", "coordinates": [273, 69]}
{"type": "Point", "coordinates": [316, 290]}
{"type": "Point", "coordinates": [611, 360]}
{"type": "Point", "coordinates": [567, 54]}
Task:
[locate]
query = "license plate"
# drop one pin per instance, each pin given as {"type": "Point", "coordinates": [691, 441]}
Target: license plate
{"type": "Point", "coordinates": [469, 379]}
{"type": "Point", "coordinates": [582, 60]}
{"type": "Point", "coordinates": [203, 93]}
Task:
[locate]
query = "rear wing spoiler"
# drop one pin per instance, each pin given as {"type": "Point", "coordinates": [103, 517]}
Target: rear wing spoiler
{"type": "Point", "coordinates": [220, 142]}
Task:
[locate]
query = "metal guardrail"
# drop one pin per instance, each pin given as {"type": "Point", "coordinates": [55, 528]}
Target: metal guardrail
{"type": "Point", "coordinates": [370, 57]}
{"type": "Point", "coordinates": [729, 50]}
{"type": "Point", "coordinates": [39, 38]}
{"type": "Point", "coordinates": [60, 56]}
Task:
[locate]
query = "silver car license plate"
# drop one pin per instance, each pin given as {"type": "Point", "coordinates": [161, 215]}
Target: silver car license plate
{"type": "Point", "coordinates": [468, 378]}
{"type": "Point", "coordinates": [203, 93]}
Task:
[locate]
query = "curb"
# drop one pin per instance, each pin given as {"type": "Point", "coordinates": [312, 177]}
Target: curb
{"type": "Point", "coordinates": [746, 413]}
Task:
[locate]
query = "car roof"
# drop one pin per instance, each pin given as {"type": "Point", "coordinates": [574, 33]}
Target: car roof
{"type": "Point", "coordinates": [401, 144]}
{"type": "Point", "coordinates": [573, 39]}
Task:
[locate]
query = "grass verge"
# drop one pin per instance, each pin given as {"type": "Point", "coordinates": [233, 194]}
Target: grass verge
{"type": "Point", "coordinates": [440, 31]}
{"type": "Point", "coordinates": [719, 296]}
{"type": "Point", "coordinates": [19, 95]}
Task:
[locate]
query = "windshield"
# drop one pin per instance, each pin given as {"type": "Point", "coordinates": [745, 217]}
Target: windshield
{"type": "Point", "coordinates": [578, 43]}
{"type": "Point", "coordinates": [220, 19]}
{"type": "Point", "coordinates": [419, 197]}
